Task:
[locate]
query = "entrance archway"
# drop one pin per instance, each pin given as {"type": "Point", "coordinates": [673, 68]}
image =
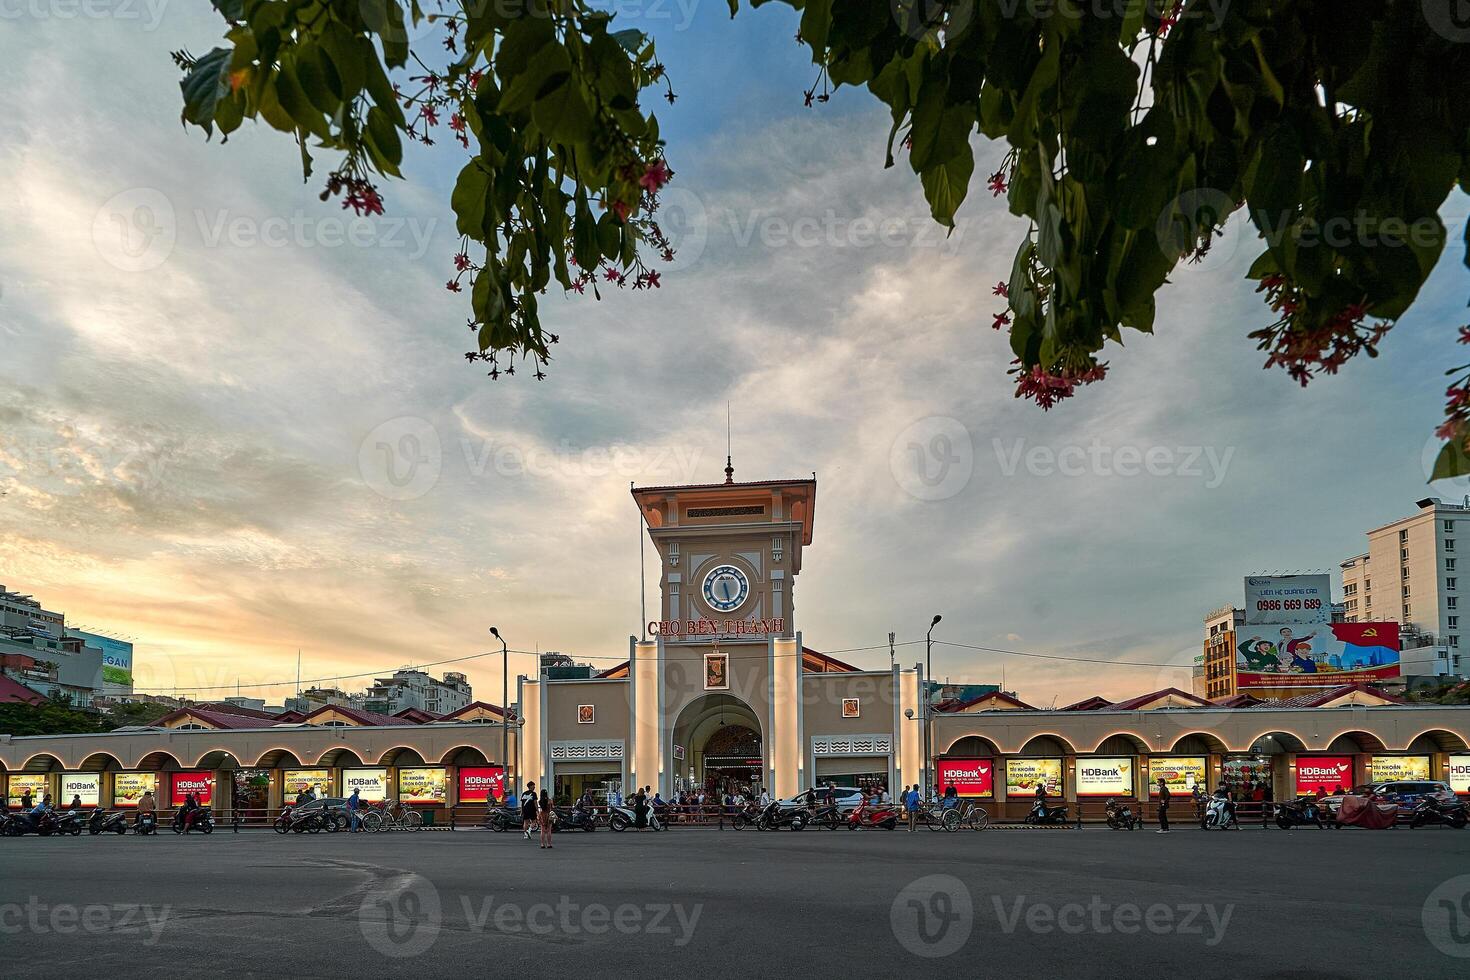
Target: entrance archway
{"type": "Point", "coordinates": [723, 750]}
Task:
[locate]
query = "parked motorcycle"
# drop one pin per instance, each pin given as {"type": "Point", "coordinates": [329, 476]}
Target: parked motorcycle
{"type": "Point", "coordinates": [102, 822]}
{"type": "Point", "coordinates": [774, 818]}
{"type": "Point", "coordinates": [1121, 817]}
{"type": "Point", "coordinates": [1431, 811]}
{"type": "Point", "coordinates": [620, 818]}
{"type": "Point", "coordinates": [147, 823]}
{"type": "Point", "coordinates": [745, 815]}
{"type": "Point", "coordinates": [25, 822]}
{"type": "Point", "coordinates": [201, 820]}
{"type": "Point", "coordinates": [311, 822]}
{"type": "Point", "coordinates": [1217, 815]}
{"type": "Point", "coordinates": [872, 815]}
{"type": "Point", "coordinates": [70, 822]}
{"type": "Point", "coordinates": [571, 818]}
{"type": "Point", "coordinates": [827, 816]}
{"type": "Point", "coordinates": [1299, 813]}
{"type": "Point", "coordinates": [1043, 814]}
{"type": "Point", "coordinates": [502, 819]}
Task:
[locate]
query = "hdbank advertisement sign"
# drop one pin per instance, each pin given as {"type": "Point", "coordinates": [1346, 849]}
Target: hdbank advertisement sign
{"type": "Point", "coordinates": [481, 784]}
{"type": "Point", "coordinates": [87, 785]}
{"type": "Point", "coordinates": [371, 784]}
{"type": "Point", "coordinates": [1460, 773]}
{"type": "Point", "coordinates": [969, 777]}
{"type": "Point", "coordinates": [1105, 777]}
{"type": "Point", "coordinates": [199, 785]}
{"type": "Point", "coordinates": [1323, 773]}
{"type": "Point", "coordinates": [1288, 599]}
{"type": "Point", "coordinates": [422, 786]}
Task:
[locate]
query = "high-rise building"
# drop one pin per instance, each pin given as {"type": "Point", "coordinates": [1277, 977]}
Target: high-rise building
{"type": "Point", "coordinates": [416, 689]}
{"type": "Point", "coordinates": [1215, 676]}
{"type": "Point", "coordinates": [1410, 574]}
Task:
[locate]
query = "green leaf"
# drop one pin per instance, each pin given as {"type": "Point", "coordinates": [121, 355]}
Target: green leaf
{"type": "Point", "coordinates": [1451, 462]}
{"type": "Point", "coordinates": [549, 67]}
{"type": "Point", "coordinates": [468, 200]}
{"type": "Point", "coordinates": [385, 139]}
{"type": "Point", "coordinates": [945, 185]}
{"type": "Point", "coordinates": [562, 112]}
{"type": "Point", "coordinates": [203, 86]}
{"type": "Point", "coordinates": [816, 21]}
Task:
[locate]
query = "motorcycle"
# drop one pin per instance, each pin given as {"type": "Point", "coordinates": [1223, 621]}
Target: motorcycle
{"type": "Point", "coordinates": [201, 820]}
{"type": "Point", "coordinates": [502, 819]}
{"type": "Point", "coordinates": [102, 822]}
{"type": "Point", "coordinates": [313, 821]}
{"type": "Point", "coordinates": [571, 818]}
{"type": "Point", "coordinates": [1042, 815]}
{"type": "Point", "coordinates": [827, 816]}
{"type": "Point", "coordinates": [1431, 811]}
{"type": "Point", "coordinates": [872, 815]}
{"type": "Point", "coordinates": [620, 818]}
{"type": "Point", "coordinates": [1299, 813]}
{"type": "Point", "coordinates": [745, 815]}
{"type": "Point", "coordinates": [25, 822]}
{"type": "Point", "coordinates": [1217, 815]}
{"type": "Point", "coordinates": [1122, 817]}
{"type": "Point", "coordinates": [774, 818]}
{"type": "Point", "coordinates": [70, 822]}
{"type": "Point", "coordinates": [147, 823]}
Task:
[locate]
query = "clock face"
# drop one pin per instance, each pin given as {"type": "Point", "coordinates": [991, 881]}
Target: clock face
{"type": "Point", "coordinates": [725, 588]}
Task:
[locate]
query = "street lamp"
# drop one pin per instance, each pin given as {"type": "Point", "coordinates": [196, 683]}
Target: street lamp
{"type": "Point", "coordinates": [504, 713]}
{"type": "Point", "coordinates": [928, 701]}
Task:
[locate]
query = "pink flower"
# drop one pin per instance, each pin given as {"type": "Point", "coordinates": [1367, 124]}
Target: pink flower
{"type": "Point", "coordinates": [656, 176]}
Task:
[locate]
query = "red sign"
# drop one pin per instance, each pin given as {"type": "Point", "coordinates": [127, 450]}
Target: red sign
{"type": "Point", "coordinates": [201, 784]}
{"type": "Point", "coordinates": [969, 777]}
{"type": "Point", "coordinates": [1326, 773]}
{"type": "Point", "coordinates": [481, 785]}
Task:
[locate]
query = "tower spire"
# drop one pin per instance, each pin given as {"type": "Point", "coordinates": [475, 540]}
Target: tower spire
{"type": "Point", "coordinates": [729, 466]}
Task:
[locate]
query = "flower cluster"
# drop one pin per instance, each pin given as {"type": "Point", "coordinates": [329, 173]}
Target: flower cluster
{"type": "Point", "coordinates": [1046, 388]}
{"type": "Point", "coordinates": [1456, 426]}
{"type": "Point", "coordinates": [361, 194]}
{"type": "Point", "coordinates": [1304, 350]}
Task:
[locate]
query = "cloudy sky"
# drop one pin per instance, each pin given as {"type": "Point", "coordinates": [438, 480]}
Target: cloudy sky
{"type": "Point", "coordinates": [206, 374]}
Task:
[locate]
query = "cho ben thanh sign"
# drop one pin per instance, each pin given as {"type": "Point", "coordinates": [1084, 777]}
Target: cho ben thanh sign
{"type": "Point", "coordinates": [717, 627]}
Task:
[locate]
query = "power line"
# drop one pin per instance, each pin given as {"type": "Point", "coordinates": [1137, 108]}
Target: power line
{"type": "Point", "coordinates": [1075, 660]}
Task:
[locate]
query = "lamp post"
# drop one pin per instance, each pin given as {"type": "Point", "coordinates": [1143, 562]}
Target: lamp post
{"type": "Point", "coordinates": [928, 702]}
{"type": "Point", "coordinates": [504, 712]}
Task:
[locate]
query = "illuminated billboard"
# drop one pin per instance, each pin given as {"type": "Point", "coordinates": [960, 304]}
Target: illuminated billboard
{"type": "Point", "coordinates": [1024, 775]}
{"type": "Point", "coordinates": [426, 785]}
{"type": "Point", "coordinates": [198, 784]}
{"type": "Point", "coordinates": [371, 784]}
{"type": "Point", "coordinates": [481, 784]}
{"type": "Point", "coordinates": [1315, 654]}
{"type": "Point", "coordinates": [1181, 773]}
{"type": "Point", "coordinates": [1323, 774]}
{"type": "Point", "coordinates": [1459, 773]}
{"type": "Point", "coordinates": [1105, 777]}
{"type": "Point", "coordinates": [87, 785]}
{"type": "Point", "coordinates": [1392, 768]}
{"type": "Point", "coordinates": [969, 777]}
{"type": "Point", "coordinates": [128, 787]}
{"type": "Point", "coordinates": [39, 784]}
{"type": "Point", "coordinates": [294, 782]}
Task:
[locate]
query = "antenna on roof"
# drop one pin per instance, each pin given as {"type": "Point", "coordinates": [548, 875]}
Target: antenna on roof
{"type": "Point", "coordinates": [729, 466]}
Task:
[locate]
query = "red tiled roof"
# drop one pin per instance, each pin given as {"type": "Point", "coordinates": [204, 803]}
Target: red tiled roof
{"type": "Point", "coordinates": [1153, 696]}
{"type": "Point", "coordinates": [219, 719]}
{"type": "Point", "coordinates": [225, 708]}
{"type": "Point", "coordinates": [952, 704]}
{"type": "Point", "coordinates": [1093, 703]}
{"type": "Point", "coordinates": [14, 692]}
{"type": "Point", "coordinates": [417, 715]}
{"type": "Point", "coordinates": [486, 705]}
{"type": "Point", "coordinates": [289, 717]}
{"type": "Point", "coordinates": [1318, 698]}
{"type": "Point", "coordinates": [370, 718]}
{"type": "Point", "coordinates": [1237, 701]}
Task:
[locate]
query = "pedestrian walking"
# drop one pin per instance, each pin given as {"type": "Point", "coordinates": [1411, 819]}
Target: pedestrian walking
{"type": "Point", "coordinates": [543, 818]}
{"type": "Point", "coordinates": [1163, 806]}
{"type": "Point", "coordinates": [528, 810]}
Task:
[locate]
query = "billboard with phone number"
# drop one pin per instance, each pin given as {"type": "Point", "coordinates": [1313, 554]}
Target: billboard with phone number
{"type": "Point", "coordinates": [371, 784]}
{"type": "Point", "coordinates": [1323, 774]}
{"type": "Point", "coordinates": [481, 784]}
{"type": "Point", "coordinates": [969, 777]}
{"type": "Point", "coordinates": [1181, 773]}
{"type": "Point", "coordinates": [294, 782]}
{"type": "Point", "coordinates": [1459, 773]}
{"type": "Point", "coordinates": [1024, 775]}
{"type": "Point", "coordinates": [84, 785]}
{"type": "Point", "coordinates": [198, 784]}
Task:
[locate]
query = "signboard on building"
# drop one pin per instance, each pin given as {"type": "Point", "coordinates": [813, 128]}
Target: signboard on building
{"type": "Point", "coordinates": [1316, 654]}
{"type": "Point", "coordinates": [1105, 777]}
{"type": "Point", "coordinates": [1323, 773]}
{"type": "Point", "coordinates": [969, 777]}
{"type": "Point", "coordinates": [294, 782]}
{"type": "Point", "coordinates": [1459, 773]}
{"type": "Point", "coordinates": [198, 784]}
{"type": "Point", "coordinates": [1391, 768]}
{"type": "Point", "coordinates": [1024, 775]}
{"type": "Point", "coordinates": [1288, 599]}
{"type": "Point", "coordinates": [39, 784]}
{"type": "Point", "coordinates": [371, 784]}
{"type": "Point", "coordinates": [117, 661]}
{"type": "Point", "coordinates": [128, 787]}
{"type": "Point", "coordinates": [481, 784]}
{"type": "Point", "coordinates": [1181, 773]}
{"type": "Point", "coordinates": [426, 786]}
{"type": "Point", "coordinates": [87, 785]}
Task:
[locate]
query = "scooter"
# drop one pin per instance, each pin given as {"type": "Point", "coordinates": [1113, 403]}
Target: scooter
{"type": "Point", "coordinates": [774, 817]}
{"type": "Point", "coordinates": [103, 822]}
{"type": "Point", "coordinates": [201, 819]}
{"type": "Point", "coordinates": [313, 822]}
{"type": "Point", "coordinates": [1299, 813]}
{"type": "Point", "coordinates": [1121, 817]}
{"type": "Point", "coordinates": [872, 815]}
{"type": "Point", "coordinates": [1043, 815]}
{"type": "Point", "coordinates": [147, 823]}
{"type": "Point", "coordinates": [502, 819]}
{"type": "Point", "coordinates": [70, 822]}
{"type": "Point", "coordinates": [25, 822]}
{"type": "Point", "coordinates": [571, 818]}
{"type": "Point", "coordinates": [827, 816]}
{"type": "Point", "coordinates": [1431, 811]}
{"type": "Point", "coordinates": [620, 818]}
{"type": "Point", "coordinates": [745, 815]}
{"type": "Point", "coordinates": [1217, 815]}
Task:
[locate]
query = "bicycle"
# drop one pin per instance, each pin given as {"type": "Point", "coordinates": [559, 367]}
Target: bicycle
{"type": "Point", "coordinates": [392, 815]}
{"type": "Point", "coordinates": [974, 816]}
{"type": "Point", "coordinates": [937, 817]}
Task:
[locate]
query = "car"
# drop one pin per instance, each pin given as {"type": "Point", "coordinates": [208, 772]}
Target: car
{"type": "Point", "coordinates": [848, 798]}
{"type": "Point", "coordinates": [1407, 792]}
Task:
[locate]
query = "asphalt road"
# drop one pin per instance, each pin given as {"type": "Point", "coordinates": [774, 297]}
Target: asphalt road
{"type": "Point", "coordinates": [1303, 904]}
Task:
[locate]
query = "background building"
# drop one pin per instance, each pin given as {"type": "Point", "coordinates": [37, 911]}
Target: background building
{"type": "Point", "coordinates": [1215, 677]}
{"type": "Point", "coordinates": [416, 689]}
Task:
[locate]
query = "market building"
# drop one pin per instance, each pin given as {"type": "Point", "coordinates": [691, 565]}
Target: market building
{"type": "Point", "coordinates": [721, 691]}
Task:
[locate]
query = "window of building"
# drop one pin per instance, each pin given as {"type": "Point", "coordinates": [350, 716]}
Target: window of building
{"type": "Point", "coordinates": [1449, 544]}
{"type": "Point", "coordinates": [1367, 585]}
{"type": "Point", "coordinates": [1404, 535]}
{"type": "Point", "coordinates": [1449, 583]}
{"type": "Point", "coordinates": [1452, 640]}
{"type": "Point", "coordinates": [1454, 622]}
{"type": "Point", "coordinates": [1403, 573]}
{"type": "Point", "coordinates": [1449, 564]}
{"type": "Point", "coordinates": [1403, 554]}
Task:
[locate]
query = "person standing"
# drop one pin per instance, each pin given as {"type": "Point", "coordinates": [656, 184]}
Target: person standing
{"type": "Point", "coordinates": [26, 800]}
{"type": "Point", "coordinates": [528, 810]}
{"type": "Point", "coordinates": [353, 802]}
{"type": "Point", "coordinates": [543, 819]}
{"type": "Point", "coordinates": [1163, 806]}
{"type": "Point", "coordinates": [911, 807]}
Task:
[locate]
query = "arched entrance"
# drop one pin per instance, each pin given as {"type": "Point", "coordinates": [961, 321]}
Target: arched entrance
{"type": "Point", "coordinates": [719, 739]}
